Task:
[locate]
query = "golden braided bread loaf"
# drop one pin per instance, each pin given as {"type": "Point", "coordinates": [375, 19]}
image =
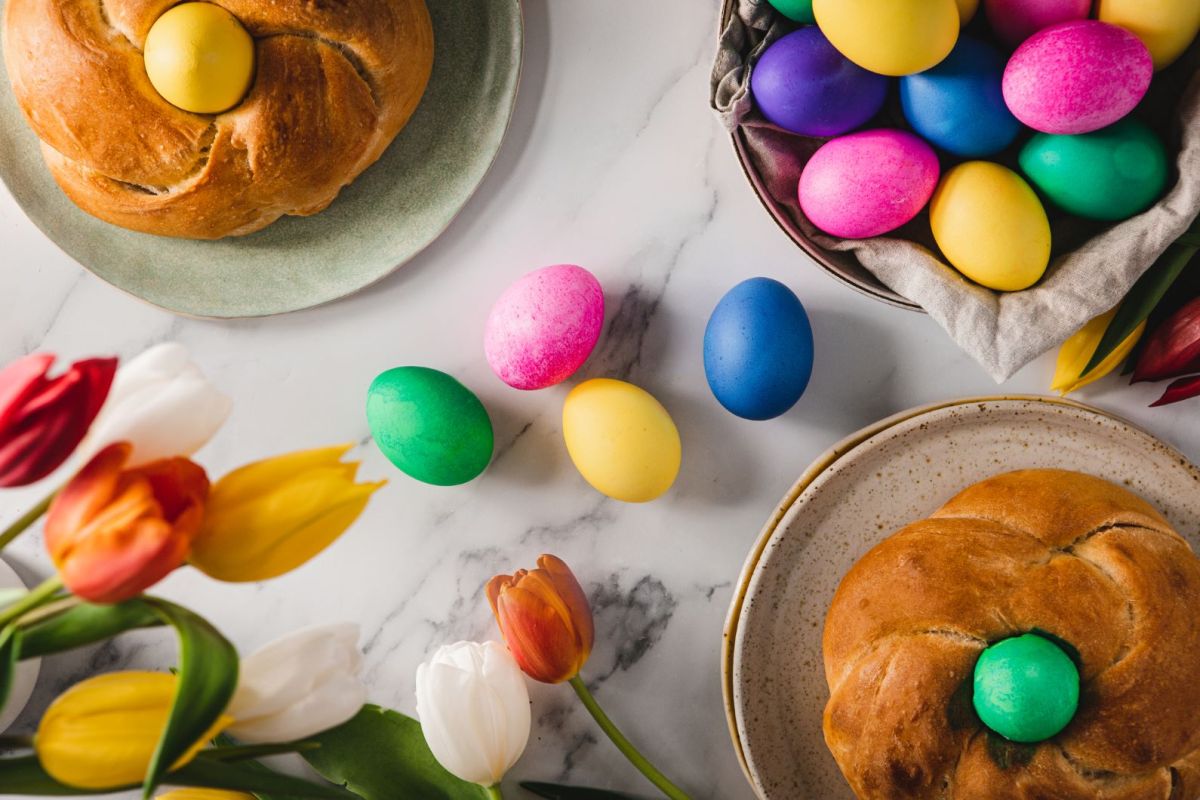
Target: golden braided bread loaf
{"type": "Point", "coordinates": [335, 81]}
{"type": "Point", "coordinates": [1039, 550]}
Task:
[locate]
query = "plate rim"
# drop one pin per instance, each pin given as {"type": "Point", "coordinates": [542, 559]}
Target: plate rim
{"type": "Point", "coordinates": [820, 465]}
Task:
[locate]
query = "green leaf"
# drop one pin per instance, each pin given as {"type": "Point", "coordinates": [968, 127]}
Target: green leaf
{"type": "Point", "coordinates": [382, 755]}
{"type": "Point", "coordinates": [207, 678]}
{"type": "Point", "coordinates": [86, 624]}
{"type": "Point", "coordinates": [10, 596]}
{"type": "Point", "coordinates": [1145, 295]}
{"type": "Point", "coordinates": [247, 752]}
{"type": "Point", "coordinates": [10, 640]}
{"type": "Point", "coordinates": [557, 791]}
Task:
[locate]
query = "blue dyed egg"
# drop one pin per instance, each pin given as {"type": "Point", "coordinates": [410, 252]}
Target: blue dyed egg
{"type": "Point", "coordinates": [804, 85]}
{"type": "Point", "coordinates": [758, 349]}
{"type": "Point", "coordinates": [958, 105]}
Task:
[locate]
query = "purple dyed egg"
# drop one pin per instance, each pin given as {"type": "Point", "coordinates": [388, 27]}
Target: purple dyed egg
{"type": "Point", "coordinates": [1077, 77]}
{"type": "Point", "coordinates": [544, 326]}
{"type": "Point", "coordinates": [804, 85]}
{"type": "Point", "coordinates": [1014, 21]}
{"type": "Point", "coordinates": [868, 183]}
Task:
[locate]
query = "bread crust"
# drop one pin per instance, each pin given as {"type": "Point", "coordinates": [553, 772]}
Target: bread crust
{"type": "Point", "coordinates": [335, 81]}
{"type": "Point", "coordinates": [1038, 550]}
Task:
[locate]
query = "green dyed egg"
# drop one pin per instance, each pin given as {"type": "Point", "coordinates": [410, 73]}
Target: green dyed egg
{"type": "Point", "coordinates": [1109, 174]}
{"type": "Point", "coordinates": [1026, 688]}
{"type": "Point", "coordinates": [429, 425]}
{"type": "Point", "coordinates": [796, 10]}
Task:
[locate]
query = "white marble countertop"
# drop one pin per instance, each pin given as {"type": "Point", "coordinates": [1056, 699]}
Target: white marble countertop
{"type": "Point", "coordinates": [613, 162]}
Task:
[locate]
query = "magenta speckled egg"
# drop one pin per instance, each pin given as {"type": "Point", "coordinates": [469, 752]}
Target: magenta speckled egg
{"type": "Point", "coordinates": [544, 326]}
{"type": "Point", "coordinates": [1014, 21]}
{"type": "Point", "coordinates": [868, 183]}
{"type": "Point", "coordinates": [1077, 77]}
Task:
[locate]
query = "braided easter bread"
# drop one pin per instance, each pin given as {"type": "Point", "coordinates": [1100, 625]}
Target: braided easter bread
{"type": "Point", "coordinates": [335, 81]}
{"type": "Point", "coordinates": [1044, 551]}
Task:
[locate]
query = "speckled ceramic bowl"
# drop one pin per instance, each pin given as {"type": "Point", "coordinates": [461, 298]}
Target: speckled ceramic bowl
{"type": "Point", "coordinates": [26, 675]}
{"type": "Point", "coordinates": [857, 494]}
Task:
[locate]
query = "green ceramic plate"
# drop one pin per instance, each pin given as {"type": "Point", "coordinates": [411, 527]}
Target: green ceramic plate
{"type": "Point", "coordinates": [393, 211]}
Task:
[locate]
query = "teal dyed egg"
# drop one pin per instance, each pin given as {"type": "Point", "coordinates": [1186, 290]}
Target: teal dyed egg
{"type": "Point", "coordinates": [1026, 688]}
{"type": "Point", "coordinates": [429, 425]}
{"type": "Point", "coordinates": [795, 10]}
{"type": "Point", "coordinates": [1110, 174]}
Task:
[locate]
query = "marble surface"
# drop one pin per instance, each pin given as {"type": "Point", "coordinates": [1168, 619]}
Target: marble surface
{"type": "Point", "coordinates": [613, 162]}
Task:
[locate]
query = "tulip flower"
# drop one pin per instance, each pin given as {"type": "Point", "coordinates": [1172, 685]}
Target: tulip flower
{"type": "Point", "coordinates": [1182, 389]}
{"type": "Point", "coordinates": [547, 623]}
{"type": "Point", "coordinates": [102, 733]}
{"type": "Point", "coordinates": [1078, 350]}
{"type": "Point", "coordinates": [545, 618]}
{"type": "Point", "coordinates": [474, 710]}
{"type": "Point", "coordinates": [270, 517]}
{"type": "Point", "coordinates": [1173, 350]}
{"type": "Point", "coordinates": [114, 532]}
{"type": "Point", "coordinates": [163, 405]}
{"type": "Point", "coordinates": [299, 685]}
{"type": "Point", "coordinates": [205, 794]}
{"type": "Point", "coordinates": [42, 420]}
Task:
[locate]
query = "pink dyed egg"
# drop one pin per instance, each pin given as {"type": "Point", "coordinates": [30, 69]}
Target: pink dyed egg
{"type": "Point", "coordinates": [1077, 77]}
{"type": "Point", "coordinates": [868, 183]}
{"type": "Point", "coordinates": [544, 326]}
{"type": "Point", "coordinates": [1014, 21]}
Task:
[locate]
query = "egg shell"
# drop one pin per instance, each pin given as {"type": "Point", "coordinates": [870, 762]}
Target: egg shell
{"type": "Point", "coordinates": [1166, 27]}
{"type": "Point", "coordinates": [804, 85]}
{"type": "Point", "coordinates": [795, 10]}
{"type": "Point", "coordinates": [543, 327]}
{"type": "Point", "coordinates": [991, 226]}
{"type": "Point", "coordinates": [1077, 77]}
{"type": "Point", "coordinates": [868, 183]}
{"type": "Point", "coordinates": [891, 37]}
{"type": "Point", "coordinates": [758, 349]}
{"type": "Point", "coordinates": [1109, 174]}
{"type": "Point", "coordinates": [1014, 21]}
{"type": "Point", "coordinates": [199, 57]}
{"type": "Point", "coordinates": [958, 105]}
{"type": "Point", "coordinates": [966, 10]}
{"type": "Point", "coordinates": [429, 425]}
{"type": "Point", "coordinates": [622, 440]}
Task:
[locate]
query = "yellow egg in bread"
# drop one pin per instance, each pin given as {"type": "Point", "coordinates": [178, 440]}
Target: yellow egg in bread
{"type": "Point", "coordinates": [890, 37]}
{"type": "Point", "coordinates": [1166, 27]}
{"type": "Point", "coordinates": [991, 226]}
{"type": "Point", "coordinates": [200, 58]}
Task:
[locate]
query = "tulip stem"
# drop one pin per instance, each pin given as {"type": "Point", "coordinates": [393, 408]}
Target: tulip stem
{"type": "Point", "coordinates": [30, 517]}
{"type": "Point", "coordinates": [624, 745]}
{"type": "Point", "coordinates": [38, 596]}
{"type": "Point", "coordinates": [494, 792]}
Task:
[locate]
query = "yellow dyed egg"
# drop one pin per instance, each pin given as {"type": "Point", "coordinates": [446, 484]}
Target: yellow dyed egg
{"type": "Point", "coordinates": [1166, 27]}
{"type": "Point", "coordinates": [200, 58]}
{"type": "Point", "coordinates": [967, 9]}
{"type": "Point", "coordinates": [891, 37]}
{"type": "Point", "coordinates": [621, 440]}
{"type": "Point", "coordinates": [991, 226]}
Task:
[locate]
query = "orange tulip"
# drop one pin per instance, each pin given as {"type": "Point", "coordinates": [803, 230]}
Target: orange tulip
{"type": "Point", "coordinates": [545, 619]}
{"type": "Point", "coordinates": [115, 532]}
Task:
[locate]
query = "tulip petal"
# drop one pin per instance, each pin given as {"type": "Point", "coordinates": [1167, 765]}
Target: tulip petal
{"type": "Point", "coordinates": [1182, 389]}
{"type": "Point", "coordinates": [205, 794]}
{"type": "Point", "coordinates": [538, 636]}
{"type": "Point", "coordinates": [576, 600]}
{"type": "Point", "coordinates": [83, 497]}
{"type": "Point", "coordinates": [246, 484]}
{"type": "Point", "coordinates": [1173, 350]}
{"type": "Point", "coordinates": [19, 381]}
{"type": "Point", "coordinates": [1077, 351]}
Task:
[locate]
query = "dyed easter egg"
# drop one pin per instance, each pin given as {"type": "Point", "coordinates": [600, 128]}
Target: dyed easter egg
{"type": "Point", "coordinates": [1014, 21]}
{"type": "Point", "coordinates": [1109, 174]}
{"type": "Point", "coordinates": [544, 326]}
{"type": "Point", "coordinates": [1025, 688]}
{"type": "Point", "coordinates": [803, 84]}
{"type": "Point", "coordinates": [429, 425]}
{"type": "Point", "coordinates": [891, 37]}
{"type": "Point", "coordinates": [1166, 27]}
{"type": "Point", "coordinates": [991, 226]}
{"type": "Point", "coordinates": [199, 58]}
{"type": "Point", "coordinates": [795, 10]}
{"type": "Point", "coordinates": [966, 10]}
{"type": "Point", "coordinates": [958, 105]}
{"type": "Point", "coordinates": [622, 441]}
{"type": "Point", "coordinates": [1077, 77]}
{"type": "Point", "coordinates": [758, 349]}
{"type": "Point", "coordinates": [866, 184]}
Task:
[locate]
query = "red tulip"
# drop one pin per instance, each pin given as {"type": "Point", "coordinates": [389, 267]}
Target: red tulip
{"type": "Point", "coordinates": [1182, 389]}
{"type": "Point", "coordinates": [114, 532]}
{"type": "Point", "coordinates": [1173, 350]}
{"type": "Point", "coordinates": [545, 619]}
{"type": "Point", "coordinates": [43, 419]}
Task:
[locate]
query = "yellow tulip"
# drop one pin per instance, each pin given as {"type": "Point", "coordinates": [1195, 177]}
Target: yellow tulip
{"type": "Point", "coordinates": [204, 794]}
{"type": "Point", "coordinates": [272, 516]}
{"type": "Point", "coordinates": [102, 733]}
{"type": "Point", "coordinates": [1077, 351]}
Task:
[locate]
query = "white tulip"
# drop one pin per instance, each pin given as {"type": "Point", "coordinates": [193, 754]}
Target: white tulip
{"type": "Point", "coordinates": [162, 404]}
{"type": "Point", "coordinates": [474, 709]}
{"type": "Point", "coordinates": [299, 685]}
